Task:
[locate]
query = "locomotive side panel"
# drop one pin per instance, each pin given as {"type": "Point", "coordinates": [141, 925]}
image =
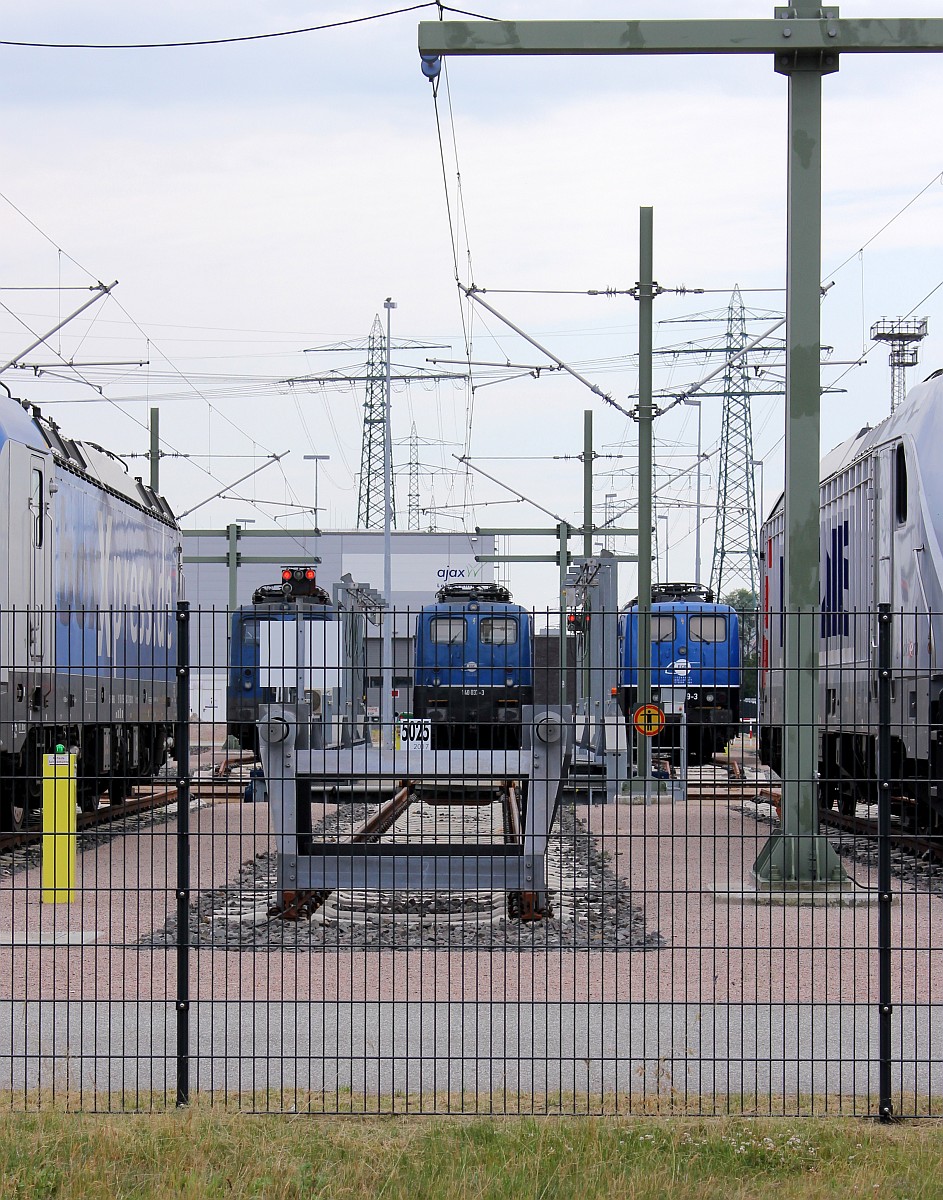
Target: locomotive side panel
{"type": "Point", "coordinates": [87, 628]}
{"type": "Point", "coordinates": [881, 515]}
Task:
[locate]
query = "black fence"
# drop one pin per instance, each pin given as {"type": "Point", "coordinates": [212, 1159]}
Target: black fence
{"type": "Point", "coordinates": [235, 866]}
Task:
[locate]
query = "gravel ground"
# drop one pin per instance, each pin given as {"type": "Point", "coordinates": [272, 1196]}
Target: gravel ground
{"type": "Point", "coordinates": [592, 909]}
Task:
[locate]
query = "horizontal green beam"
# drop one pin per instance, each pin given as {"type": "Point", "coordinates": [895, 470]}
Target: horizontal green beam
{"type": "Point", "coordinates": [548, 558]}
{"type": "Point", "coordinates": [243, 558]}
{"type": "Point", "coordinates": [848, 35]}
{"type": "Point", "coordinates": [575, 531]}
{"type": "Point", "coordinates": [249, 533]}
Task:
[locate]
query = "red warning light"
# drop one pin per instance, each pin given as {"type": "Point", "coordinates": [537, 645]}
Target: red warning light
{"type": "Point", "coordinates": [286, 575]}
{"type": "Point", "coordinates": [309, 574]}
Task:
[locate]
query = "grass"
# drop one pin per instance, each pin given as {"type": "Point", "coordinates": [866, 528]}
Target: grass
{"type": "Point", "coordinates": [205, 1152]}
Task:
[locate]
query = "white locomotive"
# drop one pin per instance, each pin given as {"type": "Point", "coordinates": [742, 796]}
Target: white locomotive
{"type": "Point", "coordinates": [89, 574]}
{"type": "Point", "coordinates": [880, 543]}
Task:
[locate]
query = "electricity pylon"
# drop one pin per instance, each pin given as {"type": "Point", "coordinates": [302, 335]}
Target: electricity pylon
{"type": "Point", "coordinates": [736, 543]}
{"type": "Point", "coordinates": [413, 518]}
{"type": "Point", "coordinates": [373, 375]}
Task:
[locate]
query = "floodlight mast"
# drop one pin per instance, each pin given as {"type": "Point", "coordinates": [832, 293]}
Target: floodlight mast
{"type": "Point", "coordinates": [805, 41]}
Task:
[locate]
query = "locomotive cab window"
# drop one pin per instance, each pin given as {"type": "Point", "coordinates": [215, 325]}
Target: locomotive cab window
{"type": "Point", "coordinates": [663, 628]}
{"type": "Point", "coordinates": [900, 485]}
{"type": "Point", "coordinates": [447, 630]}
{"type": "Point", "coordinates": [36, 506]}
{"type": "Point", "coordinates": [707, 629]}
{"type": "Point", "coordinates": [250, 633]}
{"type": "Point", "coordinates": [497, 631]}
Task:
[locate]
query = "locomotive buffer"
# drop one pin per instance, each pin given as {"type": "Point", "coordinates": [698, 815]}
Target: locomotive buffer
{"type": "Point", "coordinates": [293, 771]}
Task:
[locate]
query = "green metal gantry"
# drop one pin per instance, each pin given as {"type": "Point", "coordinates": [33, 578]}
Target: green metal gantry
{"type": "Point", "coordinates": [806, 41]}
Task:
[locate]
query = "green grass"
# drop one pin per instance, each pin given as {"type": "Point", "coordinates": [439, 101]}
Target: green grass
{"type": "Point", "coordinates": [218, 1153]}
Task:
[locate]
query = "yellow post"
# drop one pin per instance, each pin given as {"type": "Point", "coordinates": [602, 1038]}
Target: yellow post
{"type": "Point", "coordinates": [58, 873]}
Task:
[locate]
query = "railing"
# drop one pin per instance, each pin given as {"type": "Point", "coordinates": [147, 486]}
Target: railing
{"type": "Point", "coordinates": [492, 900]}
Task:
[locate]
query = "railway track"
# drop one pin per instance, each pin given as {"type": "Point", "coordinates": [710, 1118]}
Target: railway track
{"type": "Point", "coordinates": [212, 786]}
{"type": "Point", "coordinates": [919, 844]}
{"type": "Point", "coordinates": [103, 815]}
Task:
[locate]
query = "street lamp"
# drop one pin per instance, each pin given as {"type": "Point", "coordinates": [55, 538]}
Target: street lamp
{"type": "Point", "coordinates": [386, 666]}
{"type": "Point", "coordinates": [697, 502]}
{"type": "Point", "coordinates": [316, 458]}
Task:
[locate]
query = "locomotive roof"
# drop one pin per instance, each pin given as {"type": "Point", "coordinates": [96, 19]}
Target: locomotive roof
{"type": "Point", "coordinates": [919, 417]}
{"type": "Point", "coordinates": [25, 424]}
{"type": "Point", "coordinates": [492, 593]}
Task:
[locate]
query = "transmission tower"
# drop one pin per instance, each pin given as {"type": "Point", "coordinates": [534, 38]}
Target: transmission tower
{"type": "Point", "coordinates": [736, 543]}
{"type": "Point", "coordinates": [904, 336]}
{"type": "Point", "coordinates": [373, 375]}
{"type": "Point", "coordinates": [370, 500]}
{"type": "Point", "coordinates": [413, 519]}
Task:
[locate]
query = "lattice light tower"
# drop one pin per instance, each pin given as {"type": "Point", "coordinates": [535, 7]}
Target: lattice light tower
{"type": "Point", "coordinates": [736, 544]}
{"type": "Point", "coordinates": [413, 518]}
{"type": "Point", "coordinates": [370, 499]}
{"type": "Point", "coordinates": [903, 335]}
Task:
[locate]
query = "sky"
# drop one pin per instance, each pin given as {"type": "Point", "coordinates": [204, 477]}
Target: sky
{"type": "Point", "coordinates": [259, 201]}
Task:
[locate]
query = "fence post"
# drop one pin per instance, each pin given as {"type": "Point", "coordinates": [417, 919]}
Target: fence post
{"type": "Point", "coordinates": [885, 1006]}
{"type": "Point", "coordinates": [182, 746]}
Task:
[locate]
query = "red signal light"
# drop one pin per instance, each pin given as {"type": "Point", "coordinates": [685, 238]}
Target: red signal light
{"type": "Point", "coordinates": [286, 575]}
{"type": "Point", "coordinates": [309, 574]}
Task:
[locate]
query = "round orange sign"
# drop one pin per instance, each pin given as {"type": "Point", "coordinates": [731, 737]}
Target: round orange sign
{"type": "Point", "coordinates": [648, 720]}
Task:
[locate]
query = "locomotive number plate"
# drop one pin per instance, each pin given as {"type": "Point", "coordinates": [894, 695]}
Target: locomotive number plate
{"type": "Point", "coordinates": [412, 732]}
{"type": "Point", "coordinates": [473, 691]}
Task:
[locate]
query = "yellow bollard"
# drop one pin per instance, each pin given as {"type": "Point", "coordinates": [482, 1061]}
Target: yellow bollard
{"type": "Point", "coordinates": [58, 873]}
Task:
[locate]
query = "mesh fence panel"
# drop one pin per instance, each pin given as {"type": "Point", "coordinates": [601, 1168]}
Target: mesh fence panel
{"type": "Point", "coordinates": [262, 869]}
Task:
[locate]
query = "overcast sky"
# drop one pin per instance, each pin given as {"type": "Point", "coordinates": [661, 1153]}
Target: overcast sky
{"type": "Point", "coordinates": [257, 200]}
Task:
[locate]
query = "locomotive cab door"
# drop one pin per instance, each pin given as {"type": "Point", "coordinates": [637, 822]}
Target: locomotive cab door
{"type": "Point", "coordinates": [37, 539]}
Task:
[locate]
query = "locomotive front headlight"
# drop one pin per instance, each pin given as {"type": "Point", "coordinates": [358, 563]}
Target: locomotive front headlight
{"type": "Point", "coordinates": [709, 697]}
{"type": "Point", "coordinates": [247, 684]}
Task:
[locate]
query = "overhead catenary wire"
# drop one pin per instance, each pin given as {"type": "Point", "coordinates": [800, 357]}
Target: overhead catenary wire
{"type": "Point", "coordinates": [219, 41]}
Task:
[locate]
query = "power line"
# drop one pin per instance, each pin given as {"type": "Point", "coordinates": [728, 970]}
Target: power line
{"type": "Point", "coordinates": [226, 41]}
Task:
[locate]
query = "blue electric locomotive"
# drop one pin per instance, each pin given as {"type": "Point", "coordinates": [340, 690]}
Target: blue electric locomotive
{"type": "Point", "coordinates": [474, 665]}
{"type": "Point", "coordinates": [695, 646]}
{"type": "Point", "coordinates": [297, 593]}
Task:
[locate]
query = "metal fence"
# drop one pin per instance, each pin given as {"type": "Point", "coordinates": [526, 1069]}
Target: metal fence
{"type": "Point", "coordinates": [519, 889]}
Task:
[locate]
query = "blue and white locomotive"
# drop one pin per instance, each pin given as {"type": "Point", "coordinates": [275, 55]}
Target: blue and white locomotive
{"type": "Point", "coordinates": [474, 665]}
{"type": "Point", "coordinates": [695, 647]}
{"type": "Point", "coordinates": [881, 505]}
{"type": "Point", "coordinates": [88, 590]}
{"type": "Point", "coordinates": [274, 608]}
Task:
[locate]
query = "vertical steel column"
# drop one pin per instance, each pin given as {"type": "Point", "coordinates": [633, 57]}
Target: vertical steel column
{"type": "Point", "coordinates": [587, 664]}
{"type": "Point", "coordinates": [232, 562]}
{"type": "Point", "coordinates": [563, 533]}
{"type": "Point", "coordinates": [798, 855]}
{"type": "Point", "coordinates": [885, 1005]}
{"type": "Point", "coordinates": [646, 295]}
{"type": "Point", "coordinates": [155, 450]}
{"type": "Point", "coordinates": [803, 403]}
{"type": "Point", "coordinates": [182, 749]}
{"type": "Point", "coordinates": [588, 483]}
